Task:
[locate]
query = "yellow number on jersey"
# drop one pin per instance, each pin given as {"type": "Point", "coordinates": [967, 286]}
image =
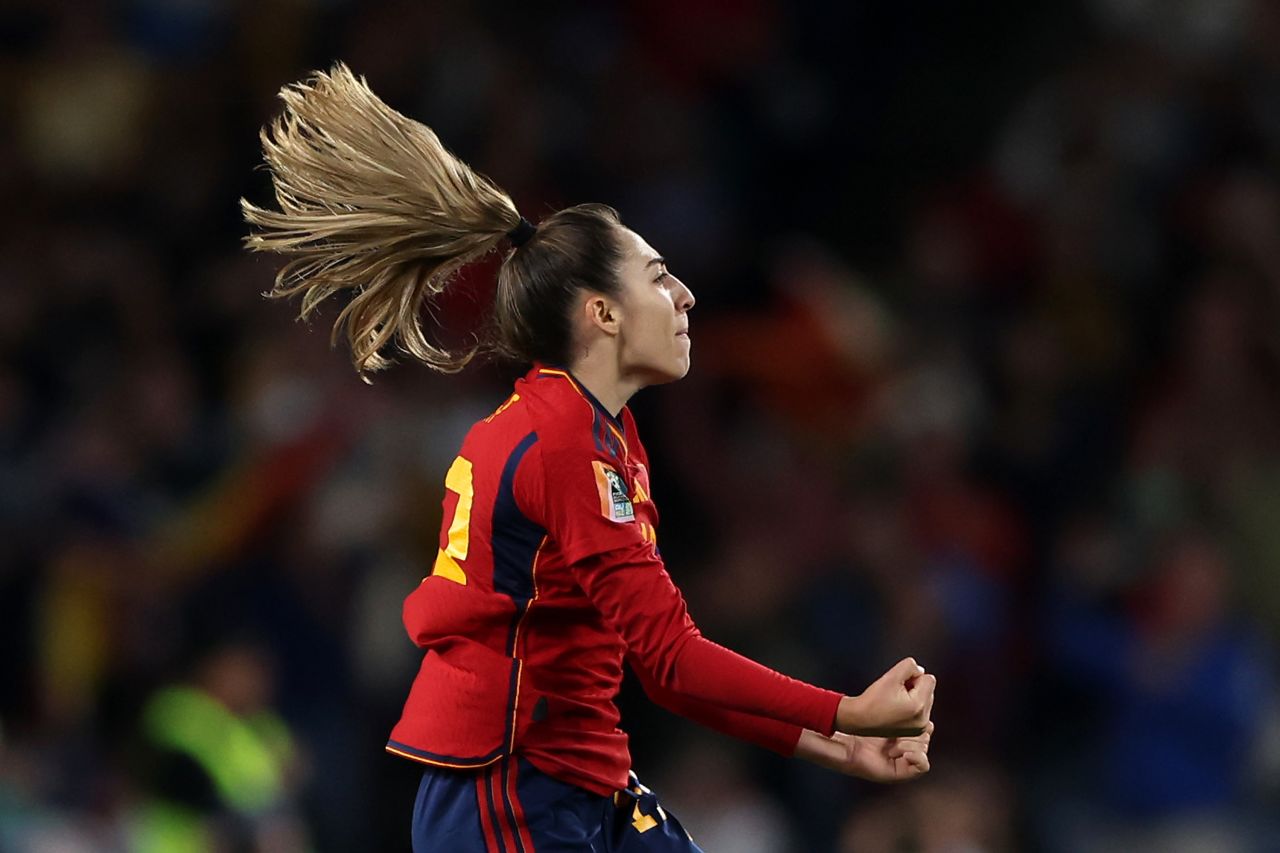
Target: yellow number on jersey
{"type": "Point", "coordinates": [458, 481]}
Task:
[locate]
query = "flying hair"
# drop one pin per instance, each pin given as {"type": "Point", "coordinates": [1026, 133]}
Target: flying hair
{"type": "Point", "coordinates": [374, 206]}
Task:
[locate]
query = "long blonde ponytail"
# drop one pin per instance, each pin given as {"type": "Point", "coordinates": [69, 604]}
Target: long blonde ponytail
{"type": "Point", "coordinates": [372, 203]}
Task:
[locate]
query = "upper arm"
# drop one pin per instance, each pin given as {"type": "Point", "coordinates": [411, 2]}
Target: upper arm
{"type": "Point", "coordinates": [581, 498]}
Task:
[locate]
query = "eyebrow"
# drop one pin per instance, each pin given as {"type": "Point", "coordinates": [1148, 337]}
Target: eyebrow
{"type": "Point", "coordinates": [657, 260]}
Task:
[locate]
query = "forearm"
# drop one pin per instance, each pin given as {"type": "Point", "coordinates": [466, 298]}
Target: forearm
{"type": "Point", "coordinates": [821, 750]}
{"type": "Point", "coordinates": [764, 732]}
{"type": "Point", "coordinates": [709, 674]}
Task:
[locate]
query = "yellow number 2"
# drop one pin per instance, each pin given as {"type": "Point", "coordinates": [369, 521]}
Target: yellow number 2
{"type": "Point", "coordinates": [458, 481]}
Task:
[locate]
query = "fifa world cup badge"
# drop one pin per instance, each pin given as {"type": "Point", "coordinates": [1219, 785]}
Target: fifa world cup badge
{"type": "Point", "coordinates": [615, 503]}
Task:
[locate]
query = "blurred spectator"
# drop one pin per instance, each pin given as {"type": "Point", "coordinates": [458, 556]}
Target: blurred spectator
{"type": "Point", "coordinates": [1178, 695]}
{"type": "Point", "coordinates": [218, 767]}
{"type": "Point", "coordinates": [964, 809]}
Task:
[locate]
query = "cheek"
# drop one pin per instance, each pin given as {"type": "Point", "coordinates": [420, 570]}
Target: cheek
{"type": "Point", "coordinates": [655, 343]}
{"type": "Point", "coordinates": [654, 347]}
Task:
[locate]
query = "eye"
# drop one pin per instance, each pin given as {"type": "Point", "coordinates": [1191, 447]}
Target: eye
{"type": "Point", "coordinates": [661, 276]}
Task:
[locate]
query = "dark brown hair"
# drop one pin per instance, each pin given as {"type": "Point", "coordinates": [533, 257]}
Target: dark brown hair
{"type": "Point", "coordinates": [374, 206]}
{"type": "Point", "coordinates": [574, 249]}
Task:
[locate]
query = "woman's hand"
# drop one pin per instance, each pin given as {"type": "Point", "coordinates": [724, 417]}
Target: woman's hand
{"type": "Point", "coordinates": [875, 759]}
{"type": "Point", "coordinates": [896, 705]}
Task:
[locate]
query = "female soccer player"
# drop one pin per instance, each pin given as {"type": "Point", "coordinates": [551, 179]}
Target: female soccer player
{"type": "Point", "coordinates": [548, 575]}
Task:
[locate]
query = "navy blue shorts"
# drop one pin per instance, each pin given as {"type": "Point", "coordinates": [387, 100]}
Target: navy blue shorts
{"type": "Point", "coordinates": [512, 807]}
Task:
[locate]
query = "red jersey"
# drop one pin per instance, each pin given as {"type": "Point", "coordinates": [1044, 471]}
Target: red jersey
{"type": "Point", "coordinates": [547, 577]}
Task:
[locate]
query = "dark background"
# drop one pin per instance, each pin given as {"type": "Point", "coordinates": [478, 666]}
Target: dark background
{"type": "Point", "coordinates": [986, 371]}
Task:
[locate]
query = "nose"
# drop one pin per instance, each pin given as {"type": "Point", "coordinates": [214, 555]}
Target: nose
{"type": "Point", "coordinates": [684, 298]}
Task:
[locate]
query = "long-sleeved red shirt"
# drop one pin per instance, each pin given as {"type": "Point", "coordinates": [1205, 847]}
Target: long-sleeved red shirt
{"type": "Point", "coordinates": [547, 577]}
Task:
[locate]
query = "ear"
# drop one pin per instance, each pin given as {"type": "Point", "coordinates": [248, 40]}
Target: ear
{"type": "Point", "coordinates": [602, 313]}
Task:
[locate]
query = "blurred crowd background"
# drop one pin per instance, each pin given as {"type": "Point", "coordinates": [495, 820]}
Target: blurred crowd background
{"type": "Point", "coordinates": [986, 371]}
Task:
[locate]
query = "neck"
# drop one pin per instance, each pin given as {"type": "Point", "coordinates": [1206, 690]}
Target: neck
{"type": "Point", "coordinates": [598, 370]}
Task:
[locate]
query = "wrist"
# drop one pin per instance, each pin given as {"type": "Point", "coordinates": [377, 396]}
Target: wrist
{"type": "Point", "coordinates": [819, 749]}
{"type": "Point", "coordinates": [849, 714]}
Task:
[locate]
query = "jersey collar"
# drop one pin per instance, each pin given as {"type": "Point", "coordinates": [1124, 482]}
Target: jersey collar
{"type": "Point", "coordinates": [563, 373]}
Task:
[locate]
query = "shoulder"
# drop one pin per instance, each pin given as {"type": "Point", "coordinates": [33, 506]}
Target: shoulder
{"type": "Point", "coordinates": [542, 427]}
{"type": "Point", "coordinates": [563, 417]}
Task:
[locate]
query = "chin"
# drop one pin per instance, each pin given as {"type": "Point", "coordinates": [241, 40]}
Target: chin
{"type": "Point", "coordinates": [681, 370]}
{"type": "Point", "coordinates": [656, 375]}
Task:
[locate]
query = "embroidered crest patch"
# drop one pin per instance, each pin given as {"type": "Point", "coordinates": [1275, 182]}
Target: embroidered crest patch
{"type": "Point", "coordinates": [615, 503]}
